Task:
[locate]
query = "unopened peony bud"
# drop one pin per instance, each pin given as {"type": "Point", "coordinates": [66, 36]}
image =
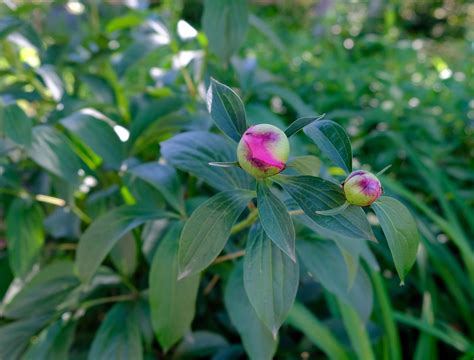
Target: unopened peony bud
{"type": "Point", "coordinates": [263, 150]}
{"type": "Point", "coordinates": [362, 188]}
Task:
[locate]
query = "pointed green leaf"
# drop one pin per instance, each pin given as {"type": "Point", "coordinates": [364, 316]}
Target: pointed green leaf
{"type": "Point", "coordinates": [118, 336]}
{"type": "Point", "coordinates": [333, 141]}
{"type": "Point", "coordinates": [227, 110]}
{"type": "Point", "coordinates": [25, 235]}
{"type": "Point", "coordinates": [314, 194]}
{"type": "Point", "coordinates": [401, 232]}
{"type": "Point", "coordinates": [172, 301]}
{"type": "Point", "coordinates": [257, 339]}
{"type": "Point", "coordinates": [271, 279]}
{"type": "Point", "coordinates": [300, 123]}
{"type": "Point", "coordinates": [193, 151]}
{"type": "Point", "coordinates": [207, 230]}
{"type": "Point", "coordinates": [101, 236]}
{"type": "Point", "coordinates": [15, 125]}
{"type": "Point", "coordinates": [124, 255]}
{"type": "Point", "coordinates": [275, 219]}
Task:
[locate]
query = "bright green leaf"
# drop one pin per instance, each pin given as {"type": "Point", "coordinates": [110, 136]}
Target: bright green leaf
{"type": "Point", "coordinates": [300, 123]}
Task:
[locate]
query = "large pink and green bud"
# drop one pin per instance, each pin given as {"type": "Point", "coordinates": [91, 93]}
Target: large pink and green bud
{"type": "Point", "coordinates": [362, 188]}
{"type": "Point", "coordinates": [263, 150]}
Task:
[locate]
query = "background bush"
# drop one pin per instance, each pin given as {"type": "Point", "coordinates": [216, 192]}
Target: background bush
{"type": "Point", "coordinates": [90, 94]}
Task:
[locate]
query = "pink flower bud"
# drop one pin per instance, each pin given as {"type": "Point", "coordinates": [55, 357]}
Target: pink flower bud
{"type": "Point", "coordinates": [362, 188]}
{"type": "Point", "coordinates": [263, 150]}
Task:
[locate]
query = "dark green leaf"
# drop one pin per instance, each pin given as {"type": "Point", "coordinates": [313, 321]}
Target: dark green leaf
{"type": "Point", "coordinates": [46, 291]}
{"type": "Point", "coordinates": [53, 342]}
{"type": "Point", "coordinates": [324, 261]}
{"type": "Point", "coordinates": [275, 219]}
{"type": "Point", "coordinates": [102, 235]}
{"type": "Point", "coordinates": [15, 336]}
{"type": "Point", "coordinates": [270, 279]}
{"type": "Point", "coordinates": [25, 235]}
{"type": "Point", "coordinates": [124, 255]}
{"type": "Point", "coordinates": [118, 336]}
{"type": "Point", "coordinates": [257, 339]}
{"type": "Point", "coordinates": [207, 230]}
{"type": "Point", "coordinates": [314, 194]}
{"type": "Point", "coordinates": [225, 24]}
{"type": "Point", "coordinates": [316, 332]}
{"type": "Point", "coordinates": [227, 110]}
{"type": "Point", "coordinates": [172, 301]}
{"type": "Point", "coordinates": [97, 132]}
{"type": "Point", "coordinates": [15, 125]}
{"type": "Point", "coordinates": [193, 151]}
{"type": "Point", "coordinates": [333, 141]}
{"type": "Point", "coordinates": [52, 150]}
{"type": "Point", "coordinates": [8, 25]}
{"type": "Point", "coordinates": [401, 232]}
{"type": "Point", "coordinates": [300, 123]}
{"type": "Point", "coordinates": [200, 344]}
{"type": "Point", "coordinates": [165, 179]}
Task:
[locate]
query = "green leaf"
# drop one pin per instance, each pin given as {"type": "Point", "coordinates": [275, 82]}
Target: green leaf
{"type": "Point", "coordinates": [165, 179]}
{"type": "Point", "coordinates": [227, 110]}
{"type": "Point", "coordinates": [193, 151]}
{"type": "Point", "coordinates": [288, 96]}
{"type": "Point", "coordinates": [271, 279]}
{"type": "Point", "coordinates": [333, 141]}
{"type": "Point", "coordinates": [51, 80]}
{"type": "Point", "coordinates": [316, 332]}
{"type": "Point", "coordinates": [314, 194]}
{"type": "Point", "coordinates": [324, 261]}
{"type": "Point", "coordinates": [207, 230]}
{"type": "Point", "coordinates": [300, 123]}
{"type": "Point", "coordinates": [401, 232]}
{"type": "Point", "coordinates": [124, 255]}
{"type": "Point", "coordinates": [172, 301]}
{"type": "Point", "coordinates": [25, 235]}
{"type": "Point", "coordinates": [45, 292]}
{"type": "Point", "coordinates": [53, 342]}
{"type": "Point", "coordinates": [275, 220]}
{"type": "Point", "coordinates": [257, 339]}
{"type": "Point", "coordinates": [200, 344]}
{"type": "Point", "coordinates": [97, 132]}
{"type": "Point", "coordinates": [118, 336]}
{"type": "Point", "coordinates": [52, 150]}
{"type": "Point", "coordinates": [305, 165]}
{"type": "Point", "coordinates": [129, 20]}
{"type": "Point", "coordinates": [9, 24]}
{"type": "Point", "coordinates": [15, 125]}
{"type": "Point", "coordinates": [102, 235]}
{"type": "Point", "coordinates": [15, 336]}
{"type": "Point", "coordinates": [225, 24]}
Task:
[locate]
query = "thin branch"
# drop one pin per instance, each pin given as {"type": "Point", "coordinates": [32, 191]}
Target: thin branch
{"type": "Point", "coordinates": [228, 257]}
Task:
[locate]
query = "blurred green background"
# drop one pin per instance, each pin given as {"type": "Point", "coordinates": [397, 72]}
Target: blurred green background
{"type": "Point", "coordinates": [398, 75]}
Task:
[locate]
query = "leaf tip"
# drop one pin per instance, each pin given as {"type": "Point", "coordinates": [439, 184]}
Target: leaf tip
{"type": "Point", "coordinates": [184, 273]}
{"type": "Point", "coordinates": [402, 282]}
{"type": "Point", "coordinates": [275, 333]}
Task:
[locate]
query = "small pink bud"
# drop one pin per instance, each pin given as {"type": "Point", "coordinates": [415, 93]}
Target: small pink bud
{"type": "Point", "coordinates": [263, 150]}
{"type": "Point", "coordinates": [362, 188]}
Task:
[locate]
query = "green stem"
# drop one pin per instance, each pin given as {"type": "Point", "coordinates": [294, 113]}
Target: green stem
{"type": "Point", "coordinates": [247, 222]}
